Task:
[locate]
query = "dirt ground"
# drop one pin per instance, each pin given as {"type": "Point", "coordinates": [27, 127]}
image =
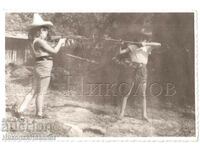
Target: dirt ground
{"type": "Point", "coordinates": [88, 119]}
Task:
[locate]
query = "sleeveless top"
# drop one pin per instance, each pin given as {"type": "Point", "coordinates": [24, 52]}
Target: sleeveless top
{"type": "Point", "coordinates": [38, 50]}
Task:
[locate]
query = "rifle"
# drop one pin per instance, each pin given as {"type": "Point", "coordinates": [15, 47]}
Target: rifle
{"type": "Point", "coordinates": [119, 41]}
{"type": "Point", "coordinates": [70, 39]}
{"type": "Point", "coordinates": [156, 44]}
{"type": "Point", "coordinates": [57, 37]}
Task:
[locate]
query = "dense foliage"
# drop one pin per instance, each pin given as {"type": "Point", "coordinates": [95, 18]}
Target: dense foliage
{"type": "Point", "coordinates": [173, 62]}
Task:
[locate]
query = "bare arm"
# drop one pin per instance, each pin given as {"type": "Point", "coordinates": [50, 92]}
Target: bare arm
{"type": "Point", "coordinates": [122, 51]}
{"type": "Point", "coordinates": [153, 45]}
{"type": "Point", "coordinates": [48, 48]}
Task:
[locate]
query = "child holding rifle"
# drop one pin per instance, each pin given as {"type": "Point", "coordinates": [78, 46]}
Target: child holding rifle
{"type": "Point", "coordinates": [38, 33]}
{"type": "Point", "coordinates": [138, 59]}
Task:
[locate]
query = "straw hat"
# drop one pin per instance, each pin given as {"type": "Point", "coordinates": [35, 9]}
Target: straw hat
{"type": "Point", "coordinates": [38, 21]}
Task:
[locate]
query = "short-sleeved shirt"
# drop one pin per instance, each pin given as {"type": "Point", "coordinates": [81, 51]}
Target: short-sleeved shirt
{"type": "Point", "coordinates": [139, 55]}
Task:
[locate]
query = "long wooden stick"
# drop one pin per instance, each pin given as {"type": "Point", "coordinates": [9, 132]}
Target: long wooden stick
{"type": "Point", "coordinates": [81, 58]}
{"type": "Point", "coordinates": [106, 39]}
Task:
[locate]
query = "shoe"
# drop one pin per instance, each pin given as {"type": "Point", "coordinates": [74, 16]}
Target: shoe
{"type": "Point", "coordinates": [145, 119]}
{"type": "Point", "coordinates": [16, 113]}
{"type": "Point", "coordinates": [42, 116]}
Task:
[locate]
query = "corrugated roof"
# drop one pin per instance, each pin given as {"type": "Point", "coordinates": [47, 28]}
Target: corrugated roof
{"type": "Point", "coordinates": [17, 35]}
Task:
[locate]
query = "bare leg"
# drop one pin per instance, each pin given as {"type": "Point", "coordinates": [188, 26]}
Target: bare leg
{"type": "Point", "coordinates": [143, 81]}
{"type": "Point", "coordinates": [30, 96]}
{"type": "Point", "coordinates": [43, 86]}
{"type": "Point", "coordinates": [144, 107]}
{"type": "Point", "coordinates": [124, 101]}
{"type": "Point", "coordinates": [26, 101]}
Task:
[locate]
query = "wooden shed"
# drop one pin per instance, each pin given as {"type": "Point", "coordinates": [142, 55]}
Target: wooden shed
{"type": "Point", "coordinates": [17, 49]}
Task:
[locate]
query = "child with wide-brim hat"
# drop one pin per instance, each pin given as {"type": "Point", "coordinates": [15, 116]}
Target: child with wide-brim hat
{"type": "Point", "coordinates": [43, 53]}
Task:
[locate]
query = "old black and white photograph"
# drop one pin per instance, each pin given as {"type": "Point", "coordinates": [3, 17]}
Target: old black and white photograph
{"type": "Point", "coordinates": [98, 74]}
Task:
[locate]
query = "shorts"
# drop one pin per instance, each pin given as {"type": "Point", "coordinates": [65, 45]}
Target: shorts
{"type": "Point", "coordinates": [43, 68]}
{"type": "Point", "coordinates": [139, 79]}
{"type": "Point", "coordinates": [140, 75]}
